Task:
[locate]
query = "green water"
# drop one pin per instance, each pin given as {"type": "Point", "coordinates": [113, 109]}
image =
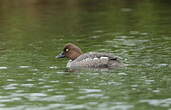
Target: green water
{"type": "Point", "coordinates": [33, 32]}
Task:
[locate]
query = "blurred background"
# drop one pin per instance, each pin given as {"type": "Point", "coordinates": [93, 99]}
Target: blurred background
{"type": "Point", "coordinates": [33, 32]}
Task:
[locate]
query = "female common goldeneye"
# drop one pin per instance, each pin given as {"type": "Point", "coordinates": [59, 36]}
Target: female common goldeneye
{"type": "Point", "coordinates": [89, 60]}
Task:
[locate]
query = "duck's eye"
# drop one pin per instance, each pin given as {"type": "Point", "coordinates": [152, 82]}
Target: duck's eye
{"type": "Point", "coordinates": [67, 50]}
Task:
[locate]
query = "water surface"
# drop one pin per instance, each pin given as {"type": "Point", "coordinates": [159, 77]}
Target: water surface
{"type": "Point", "coordinates": [33, 32]}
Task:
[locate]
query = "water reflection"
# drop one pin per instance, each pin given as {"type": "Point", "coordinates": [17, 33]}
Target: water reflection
{"type": "Point", "coordinates": [84, 69]}
{"type": "Point", "coordinates": [33, 31]}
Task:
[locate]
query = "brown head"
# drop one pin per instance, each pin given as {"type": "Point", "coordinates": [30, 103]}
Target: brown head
{"type": "Point", "coordinates": [70, 51]}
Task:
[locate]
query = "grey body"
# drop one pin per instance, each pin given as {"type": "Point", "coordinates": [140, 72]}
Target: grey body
{"type": "Point", "coordinates": [95, 60]}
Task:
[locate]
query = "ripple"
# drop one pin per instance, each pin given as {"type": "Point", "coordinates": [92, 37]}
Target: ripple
{"type": "Point", "coordinates": [46, 86]}
{"type": "Point", "coordinates": [3, 67]}
{"type": "Point", "coordinates": [95, 37]}
{"type": "Point", "coordinates": [158, 102]}
{"type": "Point", "coordinates": [144, 33]}
{"type": "Point", "coordinates": [156, 91]}
{"type": "Point", "coordinates": [11, 80]}
{"type": "Point", "coordinates": [29, 80]}
{"type": "Point", "coordinates": [115, 83]}
{"type": "Point", "coordinates": [55, 98]}
{"type": "Point", "coordinates": [134, 86]}
{"type": "Point", "coordinates": [27, 85]}
{"type": "Point", "coordinates": [98, 31]}
{"type": "Point", "coordinates": [10, 86]}
{"type": "Point", "coordinates": [122, 107]}
{"type": "Point", "coordinates": [35, 69]}
{"type": "Point", "coordinates": [89, 90]}
{"type": "Point", "coordinates": [53, 67]}
{"type": "Point", "coordinates": [74, 107]}
{"type": "Point", "coordinates": [162, 65]}
{"type": "Point", "coordinates": [114, 106]}
{"type": "Point", "coordinates": [10, 100]}
{"type": "Point", "coordinates": [126, 9]}
{"type": "Point", "coordinates": [134, 32]}
{"type": "Point", "coordinates": [60, 72]}
{"type": "Point", "coordinates": [2, 105]}
{"type": "Point", "coordinates": [37, 94]}
{"type": "Point", "coordinates": [56, 107]}
{"type": "Point", "coordinates": [54, 81]}
{"type": "Point", "coordinates": [22, 67]}
{"type": "Point", "coordinates": [92, 96]}
{"type": "Point", "coordinates": [122, 74]}
{"type": "Point", "coordinates": [149, 81]}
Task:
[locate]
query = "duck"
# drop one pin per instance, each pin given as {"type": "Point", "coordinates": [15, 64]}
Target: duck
{"type": "Point", "coordinates": [78, 59]}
